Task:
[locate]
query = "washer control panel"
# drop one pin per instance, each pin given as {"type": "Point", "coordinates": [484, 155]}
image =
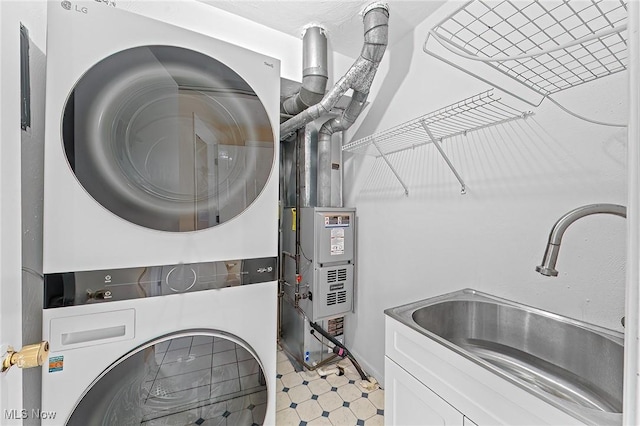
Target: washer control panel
{"type": "Point", "coordinates": [84, 287]}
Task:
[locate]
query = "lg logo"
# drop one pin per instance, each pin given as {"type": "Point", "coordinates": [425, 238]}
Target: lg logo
{"type": "Point", "coordinates": [68, 6]}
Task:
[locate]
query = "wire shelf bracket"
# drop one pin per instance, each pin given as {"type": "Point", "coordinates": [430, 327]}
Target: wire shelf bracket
{"type": "Point", "coordinates": [546, 46]}
{"type": "Point", "coordinates": [463, 189]}
{"type": "Point", "coordinates": [471, 114]}
{"type": "Point", "coordinates": [393, 169]}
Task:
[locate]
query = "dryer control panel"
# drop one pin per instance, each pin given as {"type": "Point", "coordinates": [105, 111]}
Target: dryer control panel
{"type": "Point", "coordinates": [85, 287]}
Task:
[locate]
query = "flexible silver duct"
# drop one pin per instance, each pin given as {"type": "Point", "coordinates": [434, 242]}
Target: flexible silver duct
{"type": "Point", "coordinates": [314, 72]}
{"type": "Point", "coordinates": [359, 77]}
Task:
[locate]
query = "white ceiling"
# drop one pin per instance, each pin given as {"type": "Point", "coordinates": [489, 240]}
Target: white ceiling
{"type": "Point", "coordinates": [342, 20]}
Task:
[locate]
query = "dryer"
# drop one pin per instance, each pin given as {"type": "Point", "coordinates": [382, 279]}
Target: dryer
{"type": "Point", "coordinates": [161, 144]}
{"type": "Point", "coordinates": [199, 357]}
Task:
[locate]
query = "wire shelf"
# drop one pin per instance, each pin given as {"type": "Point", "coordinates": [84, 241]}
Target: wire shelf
{"type": "Point", "coordinates": [548, 45]}
{"type": "Point", "coordinates": [474, 113]}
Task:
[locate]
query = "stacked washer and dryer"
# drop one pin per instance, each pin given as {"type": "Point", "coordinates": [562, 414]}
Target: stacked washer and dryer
{"type": "Point", "coordinates": [160, 223]}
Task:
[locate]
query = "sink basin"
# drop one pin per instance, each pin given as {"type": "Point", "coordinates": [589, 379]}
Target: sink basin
{"type": "Point", "coordinates": [575, 366]}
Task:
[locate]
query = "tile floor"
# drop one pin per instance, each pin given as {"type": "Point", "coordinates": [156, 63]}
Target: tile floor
{"type": "Point", "coordinates": [305, 398]}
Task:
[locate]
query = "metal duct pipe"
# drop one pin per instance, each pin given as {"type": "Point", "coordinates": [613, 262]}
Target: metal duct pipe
{"type": "Point", "coordinates": [337, 124]}
{"type": "Point", "coordinates": [359, 77]}
{"type": "Point", "coordinates": [314, 72]}
{"type": "Point", "coordinates": [375, 42]}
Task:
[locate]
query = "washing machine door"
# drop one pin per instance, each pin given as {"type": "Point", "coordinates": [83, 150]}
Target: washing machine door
{"type": "Point", "coordinates": [168, 138]}
{"type": "Point", "coordinates": [184, 378]}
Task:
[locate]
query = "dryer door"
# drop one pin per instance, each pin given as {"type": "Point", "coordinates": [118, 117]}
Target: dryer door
{"type": "Point", "coordinates": [184, 378]}
{"type": "Point", "coordinates": [168, 138]}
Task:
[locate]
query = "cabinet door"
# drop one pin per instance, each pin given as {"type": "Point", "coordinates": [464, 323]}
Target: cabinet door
{"type": "Point", "coordinates": [408, 402]}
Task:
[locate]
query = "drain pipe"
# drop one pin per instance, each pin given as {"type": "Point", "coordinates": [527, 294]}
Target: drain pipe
{"type": "Point", "coordinates": [314, 72]}
{"type": "Point", "coordinates": [359, 77]}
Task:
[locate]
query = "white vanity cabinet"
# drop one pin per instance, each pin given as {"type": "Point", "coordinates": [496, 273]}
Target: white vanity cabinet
{"type": "Point", "coordinates": [428, 384]}
{"type": "Point", "coordinates": [409, 402]}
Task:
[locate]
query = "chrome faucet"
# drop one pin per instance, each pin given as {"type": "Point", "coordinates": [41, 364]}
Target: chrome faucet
{"type": "Point", "coordinates": [548, 266]}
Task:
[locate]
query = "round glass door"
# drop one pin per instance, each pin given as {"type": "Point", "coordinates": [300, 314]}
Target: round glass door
{"type": "Point", "coordinates": [168, 138]}
{"type": "Point", "coordinates": [187, 378]}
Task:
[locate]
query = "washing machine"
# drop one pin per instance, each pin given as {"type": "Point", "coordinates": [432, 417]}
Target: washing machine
{"type": "Point", "coordinates": [143, 354]}
{"type": "Point", "coordinates": [160, 143]}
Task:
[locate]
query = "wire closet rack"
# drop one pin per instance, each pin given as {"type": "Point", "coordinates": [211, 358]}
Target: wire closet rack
{"type": "Point", "coordinates": [468, 115]}
{"type": "Point", "coordinates": [548, 46]}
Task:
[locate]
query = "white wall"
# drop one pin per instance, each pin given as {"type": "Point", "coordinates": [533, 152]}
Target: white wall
{"type": "Point", "coordinates": [521, 177]}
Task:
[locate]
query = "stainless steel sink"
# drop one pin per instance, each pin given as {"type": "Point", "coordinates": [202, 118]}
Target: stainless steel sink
{"type": "Point", "coordinates": [575, 366]}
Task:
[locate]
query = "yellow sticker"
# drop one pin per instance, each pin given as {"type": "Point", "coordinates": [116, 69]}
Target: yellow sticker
{"type": "Point", "coordinates": [293, 219]}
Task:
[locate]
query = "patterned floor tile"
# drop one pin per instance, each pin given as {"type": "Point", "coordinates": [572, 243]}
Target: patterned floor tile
{"type": "Point", "coordinates": [282, 401]}
{"type": "Point", "coordinates": [349, 392]}
{"type": "Point", "coordinates": [291, 380]}
{"type": "Point", "coordinates": [363, 409]}
{"type": "Point", "coordinates": [318, 387]}
{"type": "Point", "coordinates": [300, 394]}
{"type": "Point", "coordinates": [343, 416]}
{"type": "Point", "coordinates": [330, 401]}
{"type": "Point", "coordinates": [309, 410]}
{"type": "Point", "coordinates": [284, 367]}
{"type": "Point", "coordinates": [306, 399]}
{"type": "Point", "coordinates": [320, 421]}
{"type": "Point", "coordinates": [377, 399]}
{"type": "Point", "coordinates": [287, 417]}
{"type": "Point", "coordinates": [376, 420]}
